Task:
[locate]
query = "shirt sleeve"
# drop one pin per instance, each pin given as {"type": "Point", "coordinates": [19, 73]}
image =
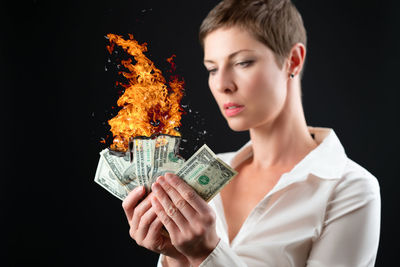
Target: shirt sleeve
{"type": "Point", "coordinates": [350, 234]}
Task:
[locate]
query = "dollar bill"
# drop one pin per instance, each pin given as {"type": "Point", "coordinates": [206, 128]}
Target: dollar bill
{"type": "Point", "coordinates": [143, 155]}
{"type": "Point", "coordinates": [129, 177]}
{"type": "Point", "coordinates": [161, 158]}
{"type": "Point", "coordinates": [121, 168]}
{"type": "Point", "coordinates": [166, 158]}
{"type": "Point", "coordinates": [106, 179]}
{"type": "Point", "coordinates": [206, 173]}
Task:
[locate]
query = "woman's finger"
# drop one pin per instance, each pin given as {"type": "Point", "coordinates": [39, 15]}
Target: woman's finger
{"type": "Point", "coordinates": [162, 215]}
{"type": "Point", "coordinates": [180, 203]}
{"type": "Point", "coordinates": [187, 193]}
{"type": "Point", "coordinates": [138, 212]}
{"type": "Point", "coordinates": [131, 201]}
{"type": "Point", "coordinates": [144, 224]}
{"type": "Point", "coordinates": [154, 235]}
{"type": "Point", "coordinates": [168, 206]}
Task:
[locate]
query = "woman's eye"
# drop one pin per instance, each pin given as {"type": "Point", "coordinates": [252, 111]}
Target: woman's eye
{"type": "Point", "coordinates": [245, 63]}
{"type": "Point", "coordinates": [212, 71]}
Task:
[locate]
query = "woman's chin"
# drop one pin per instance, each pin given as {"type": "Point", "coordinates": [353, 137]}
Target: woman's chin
{"type": "Point", "coordinates": [237, 126]}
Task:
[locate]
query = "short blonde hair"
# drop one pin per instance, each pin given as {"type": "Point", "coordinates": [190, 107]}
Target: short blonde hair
{"type": "Point", "coordinates": [276, 23]}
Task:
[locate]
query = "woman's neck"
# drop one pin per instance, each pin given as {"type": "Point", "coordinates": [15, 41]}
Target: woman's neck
{"type": "Point", "coordinates": [285, 141]}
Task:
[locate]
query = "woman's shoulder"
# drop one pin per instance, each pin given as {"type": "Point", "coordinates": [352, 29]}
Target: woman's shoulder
{"type": "Point", "coordinates": [355, 189]}
{"type": "Point", "coordinates": [354, 175]}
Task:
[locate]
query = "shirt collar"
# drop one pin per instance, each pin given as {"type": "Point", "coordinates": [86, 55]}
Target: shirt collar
{"type": "Point", "coordinates": [326, 161]}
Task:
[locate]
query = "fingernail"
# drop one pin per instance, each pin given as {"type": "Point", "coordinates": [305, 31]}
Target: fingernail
{"type": "Point", "coordinates": [168, 175]}
{"type": "Point", "coordinates": [161, 180]}
{"type": "Point", "coordinates": [139, 189]}
{"type": "Point", "coordinates": [155, 187]}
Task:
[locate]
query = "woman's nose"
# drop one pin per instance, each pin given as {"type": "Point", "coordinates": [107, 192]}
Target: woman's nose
{"type": "Point", "coordinates": [224, 82]}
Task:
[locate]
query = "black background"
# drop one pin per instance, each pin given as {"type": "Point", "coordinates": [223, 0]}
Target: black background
{"type": "Point", "coordinates": [57, 97]}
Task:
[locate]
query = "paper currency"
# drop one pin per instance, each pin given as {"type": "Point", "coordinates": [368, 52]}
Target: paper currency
{"type": "Point", "coordinates": [166, 157]}
{"type": "Point", "coordinates": [106, 178]}
{"type": "Point", "coordinates": [143, 160]}
{"type": "Point", "coordinates": [151, 158]}
{"type": "Point", "coordinates": [204, 171]}
{"type": "Point", "coordinates": [121, 168]}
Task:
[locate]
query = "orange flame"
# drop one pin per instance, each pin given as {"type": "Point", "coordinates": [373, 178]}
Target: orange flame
{"type": "Point", "coordinates": [149, 105]}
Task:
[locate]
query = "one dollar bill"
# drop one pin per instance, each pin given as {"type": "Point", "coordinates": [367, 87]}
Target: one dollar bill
{"type": "Point", "coordinates": [206, 173]}
{"type": "Point", "coordinates": [122, 169]}
{"type": "Point", "coordinates": [107, 179]}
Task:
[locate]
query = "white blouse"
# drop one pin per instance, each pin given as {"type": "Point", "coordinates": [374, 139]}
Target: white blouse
{"type": "Point", "coordinates": [324, 212]}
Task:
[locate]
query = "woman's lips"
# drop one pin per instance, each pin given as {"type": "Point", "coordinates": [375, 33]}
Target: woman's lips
{"type": "Point", "coordinates": [232, 109]}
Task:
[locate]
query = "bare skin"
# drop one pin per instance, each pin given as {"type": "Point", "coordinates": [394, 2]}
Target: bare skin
{"type": "Point", "coordinates": [189, 220]}
{"type": "Point", "coordinates": [244, 192]}
{"type": "Point", "coordinates": [272, 113]}
{"type": "Point", "coordinates": [145, 227]}
{"type": "Point", "coordinates": [244, 76]}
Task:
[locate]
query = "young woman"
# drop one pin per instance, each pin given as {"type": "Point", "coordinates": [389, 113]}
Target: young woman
{"type": "Point", "coordinates": [298, 200]}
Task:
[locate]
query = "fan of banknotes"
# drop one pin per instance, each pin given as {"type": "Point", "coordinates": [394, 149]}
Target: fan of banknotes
{"type": "Point", "coordinates": [148, 158]}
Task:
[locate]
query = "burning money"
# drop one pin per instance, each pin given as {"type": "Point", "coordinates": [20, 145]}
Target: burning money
{"type": "Point", "coordinates": [146, 142]}
{"type": "Point", "coordinates": [204, 171]}
{"type": "Point", "coordinates": [150, 104]}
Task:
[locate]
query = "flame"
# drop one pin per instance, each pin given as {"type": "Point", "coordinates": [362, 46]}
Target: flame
{"type": "Point", "coordinates": [161, 141]}
{"type": "Point", "coordinates": [149, 105]}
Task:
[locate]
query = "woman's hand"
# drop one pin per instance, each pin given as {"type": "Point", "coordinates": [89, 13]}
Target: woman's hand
{"type": "Point", "coordinates": [187, 217]}
{"type": "Point", "coordinates": [145, 227]}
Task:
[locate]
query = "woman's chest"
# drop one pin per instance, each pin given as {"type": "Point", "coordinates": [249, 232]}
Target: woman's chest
{"type": "Point", "coordinates": [283, 223]}
{"type": "Point", "coordinates": [242, 195]}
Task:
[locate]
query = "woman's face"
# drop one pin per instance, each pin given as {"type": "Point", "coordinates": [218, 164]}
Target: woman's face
{"type": "Point", "coordinates": [245, 78]}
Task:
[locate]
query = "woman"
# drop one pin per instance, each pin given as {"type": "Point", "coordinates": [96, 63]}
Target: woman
{"type": "Point", "coordinates": [297, 200]}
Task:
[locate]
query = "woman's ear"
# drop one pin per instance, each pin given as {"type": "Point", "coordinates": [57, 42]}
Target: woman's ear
{"type": "Point", "coordinates": [296, 59]}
